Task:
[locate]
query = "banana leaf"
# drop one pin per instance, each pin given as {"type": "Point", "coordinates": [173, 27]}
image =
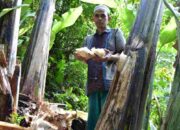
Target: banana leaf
{"type": "Point", "coordinates": [168, 34]}
{"type": "Point", "coordinates": [68, 19]}
{"type": "Point", "coordinates": [7, 10]}
{"type": "Point", "coordinates": [110, 3]}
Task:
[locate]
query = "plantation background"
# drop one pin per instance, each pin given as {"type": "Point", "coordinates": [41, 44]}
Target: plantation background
{"type": "Point", "coordinates": [66, 77]}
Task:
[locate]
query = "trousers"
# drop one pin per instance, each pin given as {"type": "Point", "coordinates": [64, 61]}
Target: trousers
{"type": "Point", "coordinates": [96, 101]}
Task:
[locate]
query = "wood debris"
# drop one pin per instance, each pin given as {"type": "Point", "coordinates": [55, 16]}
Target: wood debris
{"type": "Point", "coordinates": [47, 116]}
{"type": "Point", "coordinates": [9, 126]}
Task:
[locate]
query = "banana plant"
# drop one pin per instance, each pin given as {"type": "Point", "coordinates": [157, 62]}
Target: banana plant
{"type": "Point", "coordinates": [168, 34]}
{"type": "Point", "coordinates": [128, 17]}
{"type": "Point", "coordinates": [67, 19]}
{"type": "Point", "coordinates": [7, 10]}
{"type": "Point", "coordinates": [110, 3]}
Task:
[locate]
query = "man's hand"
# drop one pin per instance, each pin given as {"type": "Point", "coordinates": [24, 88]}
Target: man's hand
{"type": "Point", "coordinates": [81, 58]}
{"type": "Point", "coordinates": [105, 58]}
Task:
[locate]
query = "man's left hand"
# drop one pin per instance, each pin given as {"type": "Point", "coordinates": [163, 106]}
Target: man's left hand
{"type": "Point", "coordinates": [107, 57]}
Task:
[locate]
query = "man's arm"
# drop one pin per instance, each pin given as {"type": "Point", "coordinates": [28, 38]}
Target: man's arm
{"type": "Point", "coordinates": [119, 46]}
{"type": "Point", "coordinates": [79, 57]}
{"type": "Point", "coordinates": [119, 41]}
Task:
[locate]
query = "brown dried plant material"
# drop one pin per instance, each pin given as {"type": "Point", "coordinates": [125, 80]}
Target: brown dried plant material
{"type": "Point", "coordinates": [3, 60]}
{"type": "Point", "coordinates": [9, 126]}
{"type": "Point", "coordinates": [50, 116]}
{"type": "Point", "coordinates": [122, 61]}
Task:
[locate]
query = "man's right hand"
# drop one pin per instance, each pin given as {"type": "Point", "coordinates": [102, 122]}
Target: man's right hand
{"type": "Point", "coordinates": [81, 58]}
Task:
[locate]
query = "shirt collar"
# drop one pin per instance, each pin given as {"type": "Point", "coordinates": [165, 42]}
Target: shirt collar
{"type": "Point", "coordinates": [105, 31]}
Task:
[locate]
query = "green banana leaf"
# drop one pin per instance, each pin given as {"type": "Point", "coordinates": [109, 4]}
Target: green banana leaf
{"type": "Point", "coordinates": [110, 3]}
{"type": "Point", "coordinates": [168, 34]}
{"type": "Point", "coordinates": [59, 75]}
{"type": "Point", "coordinates": [27, 15]}
{"type": "Point", "coordinates": [7, 10]}
{"type": "Point", "coordinates": [25, 9]}
{"type": "Point", "coordinates": [128, 18]}
{"type": "Point", "coordinates": [22, 31]}
{"type": "Point", "coordinates": [68, 19]}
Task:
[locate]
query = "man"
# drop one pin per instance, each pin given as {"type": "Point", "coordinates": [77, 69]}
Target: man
{"type": "Point", "coordinates": [101, 70]}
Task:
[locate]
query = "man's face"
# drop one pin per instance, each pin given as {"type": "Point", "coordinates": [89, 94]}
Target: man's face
{"type": "Point", "coordinates": [100, 18]}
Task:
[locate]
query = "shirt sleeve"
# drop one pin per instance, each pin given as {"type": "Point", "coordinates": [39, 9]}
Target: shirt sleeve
{"type": "Point", "coordinates": [85, 42]}
{"type": "Point", "coordinates": [120, 41]}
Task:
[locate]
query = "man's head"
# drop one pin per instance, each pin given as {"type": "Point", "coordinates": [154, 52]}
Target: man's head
{"type": "Point", "coordinates": [101, 16]}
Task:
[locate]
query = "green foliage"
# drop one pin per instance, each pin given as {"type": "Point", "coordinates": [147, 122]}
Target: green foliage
{"type": "Point", "coordinates": [128, 18]}
{"type": "Point", "coordinates": [7, 10]}
{"type": "Point", "coordinates": [64, 72]}
{"type": "Point", "coordinates": [67, 20]}
{"type": "Point", "coordinates": [59, 74]}
{"type": "Point", "coordinates": [15, 118]}
{"type": "Point", "coordinates": [66, 77]}
{"type": "Point", "coordinates": [128, 15]}
{"type": "Point", "coordinates": [68, 86]}
{"type": "Point", "coordinates": [162, 83]}
{"type": "Point", "coordinates": [73, 97]}
{"type": "Point", "coordinates": [76, 74]}
{"type": "Point", "coordinates": [27, 20]}
{"type": "Point", "coordinates": [168, 34]}
{"type": "Point", "coordinates": [132, 1]}
{"type": "Point", "coordinates": [164, 70]}
{"type": "Point", "coordinates": [110, 3]}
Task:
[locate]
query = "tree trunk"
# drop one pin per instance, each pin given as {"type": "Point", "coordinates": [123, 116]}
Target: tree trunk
{"type": "Point", "coordinates": [6, 99]}
{"type": "Point", "coordinates": [5, 88]}
{"type": "Point", "coordinates": [34, 66]}
{"type": "Point", "coordinates": [12, 48]}
{"type": "Point", "coordinates": [15, 86]}
{"type": "Point", "coordinates": [149, 70]}
{"type": "Point", "coordinates": [9, 26]}
{"type": "Point", "coordinates": [125, 103]}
